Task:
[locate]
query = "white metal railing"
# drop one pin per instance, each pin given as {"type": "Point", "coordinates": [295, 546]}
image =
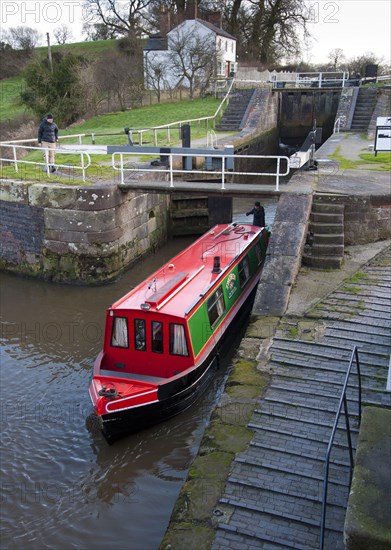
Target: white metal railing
{"type": "Point", "coordinates": [224, 170]}
{"type": "Point", "coordinates": [317, 79]}
{"type": "Point", "coordinates": [337, 124]}
{"type": "Point", "coordinates": [211, 139]}
{"type": "Point", "coordinates": [45, 163]}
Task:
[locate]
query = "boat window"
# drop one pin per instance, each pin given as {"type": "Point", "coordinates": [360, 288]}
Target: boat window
{"type": "Point", "coordinates": [157, 337]}
{"type": "Point", "coordinates": [216, 306]}
{"type": "Point", "coordinates": [178, 343]}
{"type": "Point", "coordinates": [139, 335]}
{"type": "Point", "coordinates": [258, 252]}
{"type": "Point", "coordinates": [119, 333]}
{"type": "Point", "coordinates": [244, 271]}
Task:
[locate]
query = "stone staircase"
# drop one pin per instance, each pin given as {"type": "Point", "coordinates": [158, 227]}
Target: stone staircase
{"type": "Point", "coordinates": [234, 116]}
{"type": "Point", "coordinates": [365, 104]}
{"type": "Point", "coordinates": [324, 248]}
{"type": "Point", "coordinates": [273, 495]}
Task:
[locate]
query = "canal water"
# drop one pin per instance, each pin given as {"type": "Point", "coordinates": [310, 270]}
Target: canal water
{"type": "Point", "coordinates": [62, 485]}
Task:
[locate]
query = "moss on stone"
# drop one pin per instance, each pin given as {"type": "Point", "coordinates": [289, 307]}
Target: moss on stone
{"type": "Point", "coordinates": [178, 538]}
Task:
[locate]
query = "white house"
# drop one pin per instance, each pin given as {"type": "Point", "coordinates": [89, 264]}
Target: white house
{"type": "Point", "coordinates": [191, 52]}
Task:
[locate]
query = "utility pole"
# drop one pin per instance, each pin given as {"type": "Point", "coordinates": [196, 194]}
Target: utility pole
{"type": "Point", "coordinates": [49, 52]}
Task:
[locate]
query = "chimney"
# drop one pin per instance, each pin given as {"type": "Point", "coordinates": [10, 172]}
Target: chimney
{"type": "Point", "coordinates": [216, 19]}
{"type": "Point", "coordinates": [191, 10]}
{"type": "Point", "coordinates": [165, 22]}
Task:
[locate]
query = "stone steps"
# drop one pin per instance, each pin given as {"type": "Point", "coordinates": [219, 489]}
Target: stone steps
{"type": "Point", "coordinates": [365, 105]}
{"type": "Point", "coordinates": [325, 242]}
{"type": "Point", "coordinates": [233, 115]}
{"type": "Point", "coordinates": [272, 498]}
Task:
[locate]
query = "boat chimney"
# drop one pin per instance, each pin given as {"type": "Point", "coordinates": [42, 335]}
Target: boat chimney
{"type": "Point", "coordinates": [216, 265]}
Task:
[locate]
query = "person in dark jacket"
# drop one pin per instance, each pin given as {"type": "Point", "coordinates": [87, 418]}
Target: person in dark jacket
{"type": "Point", "coordinates": [258, 213]}
{"type": "Point", "coordinates": [47, 138]}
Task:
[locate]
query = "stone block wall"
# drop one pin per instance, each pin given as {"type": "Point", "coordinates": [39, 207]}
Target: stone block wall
{"type": "Point", "coordinates": [367, 218]}
{"type": "Point", "coordinates": [76, 233]}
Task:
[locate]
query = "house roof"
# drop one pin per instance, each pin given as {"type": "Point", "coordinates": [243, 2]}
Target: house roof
{"type": "Point", "coordinates": [217, 30]}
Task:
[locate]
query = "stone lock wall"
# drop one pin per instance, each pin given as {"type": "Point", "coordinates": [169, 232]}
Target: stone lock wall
{"type": "Point", "coordinates": [77, 234]}
{"type": "Point", "coordinates": [367, 218]}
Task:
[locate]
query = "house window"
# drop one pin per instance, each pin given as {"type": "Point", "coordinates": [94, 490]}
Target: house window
{"type": "Point", "coordinates": [178, 343]}
{"type": "Point", "coordinates": [226, 45]}
{"type": "Point", "coordinates": [216, 306]}
{"type": "Point", "coordinates": [244, 271]}
{"type": "Point", "coordinates": [139, 335]}
{"type": "Point", "coordinates": [157, 337]}
{"type": "Point", "coordinates": [119, 333]}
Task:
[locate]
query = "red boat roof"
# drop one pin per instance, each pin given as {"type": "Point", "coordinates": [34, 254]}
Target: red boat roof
{"type": "Point", "coordinates": [177, 285]}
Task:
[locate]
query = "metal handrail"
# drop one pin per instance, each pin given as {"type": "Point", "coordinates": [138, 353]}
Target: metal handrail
{"type": "Point", "coordinates": [342, 401]}
{"type": "Point", "coordinates": [83, 165]}
{"type": "Point", "coordinates": [224, 171]}
{"type": "Point", "coordinates": [337, 125]}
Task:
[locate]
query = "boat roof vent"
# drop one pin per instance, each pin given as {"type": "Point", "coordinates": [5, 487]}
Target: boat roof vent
{"type": "Point", "coordinates": [161, 294]}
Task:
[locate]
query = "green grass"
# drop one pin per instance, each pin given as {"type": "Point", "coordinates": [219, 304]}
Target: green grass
{"type": "Point", "coordinates": [92, 48]}
{"type": "Point", "coordinates": [115, 122]}
{"type": "Point", "coordinates": [10, 107]}
{"type": "Point", "coordinates": [368, 161]}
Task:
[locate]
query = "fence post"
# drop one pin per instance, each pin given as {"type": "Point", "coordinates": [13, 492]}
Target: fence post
{"type": "Point", "coordinates": [122, 167]}
{"type": "Point", "coordinates": [171, 173]}
{"type": "Point", "coordinates": [82, 165]}
{"type": "Point", "coordinates": [222, 172]}
{"type": "Point", "coordinates": [15, 159]}
{"type": "Point", "coordinates": [278, 174]}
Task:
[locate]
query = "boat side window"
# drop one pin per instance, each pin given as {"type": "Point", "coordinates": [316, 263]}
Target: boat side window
{"type": "Point", "coordinates": [119, 333]}
{"type": "Point", "coordinates": [258, 252]}
{"type": "Point", "coordinates": [157, 337]}
{"type": "Point", "coordinates": [216, 306]}
{"type": "Point", "coordinates": [244, 271]}
{"type": "Point", "coordinates": [178, 343]}
{"type": "Point", "coordinates": [139, 335]}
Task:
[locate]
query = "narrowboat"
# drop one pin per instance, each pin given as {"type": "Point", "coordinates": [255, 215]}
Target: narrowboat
{"type": "Point", "coordinates": [162, 339]}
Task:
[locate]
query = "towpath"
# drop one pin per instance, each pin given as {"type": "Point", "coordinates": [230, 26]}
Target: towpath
{"type": "Point", "coordinates": [272, 497]}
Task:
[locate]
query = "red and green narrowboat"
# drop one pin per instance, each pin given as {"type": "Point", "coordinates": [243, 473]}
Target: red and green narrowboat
{"type": "Point", "coordinates": [162, 339]}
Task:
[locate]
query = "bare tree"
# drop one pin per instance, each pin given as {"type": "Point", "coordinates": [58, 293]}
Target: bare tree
{"type": "Point", "coordinates": [22, 38]}
{"type": "Point", "coordinates": [63, 34]}
{"type": "Point", "coordinates": [336, 57]}
{"type": "Point", "coordinates": [156, 72]}
{"type": "Point", "coordinates": [119, 76]}
{"type": "Point", "coordinates": [192, 59]}
{"type": "Point", "coordinates": [120, 16]}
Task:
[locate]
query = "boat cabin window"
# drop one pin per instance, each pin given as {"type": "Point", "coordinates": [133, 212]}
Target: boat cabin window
{"type": "Point", "coordinates": [119, 333]}
{"type": "Point", "coordinates": [244, 271]}
{"type": "Point", "coordinates": [139, 335]}
{"type": "Point", "coordinates": [216, 306]}
{"type": "Point", "coordinates": [157, 337]}
{"type": "Point", "coordinates": [178, 343]}
{"type": "Point", "coordinates": [258, 252]}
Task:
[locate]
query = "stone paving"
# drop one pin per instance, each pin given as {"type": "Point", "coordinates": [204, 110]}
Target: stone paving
{"type": "Point", "coordinates": [273, 495]}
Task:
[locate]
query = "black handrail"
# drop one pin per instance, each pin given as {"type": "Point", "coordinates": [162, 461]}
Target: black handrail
{"type": "Point", "coordinates": [342, 401]}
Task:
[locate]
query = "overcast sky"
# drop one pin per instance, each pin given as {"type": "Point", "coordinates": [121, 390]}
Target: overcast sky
{"type": "Point", "coordinates": [355, 26]}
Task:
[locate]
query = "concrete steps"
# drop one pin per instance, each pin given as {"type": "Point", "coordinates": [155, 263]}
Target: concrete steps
{"type": "Point", "coordinates": [272, 498]}
{"type": "Point", "coordinates": [233, 117]}
{"type": "Point", "coordinates": [325, 244]}
{"type": "Point", "coordinates": [365, 105]}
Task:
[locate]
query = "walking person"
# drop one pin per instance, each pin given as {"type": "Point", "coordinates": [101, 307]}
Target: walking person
{"type": "Point", "coordinates": [258, 213]}
{"type": "Point", "coordinates": [47, 138]}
